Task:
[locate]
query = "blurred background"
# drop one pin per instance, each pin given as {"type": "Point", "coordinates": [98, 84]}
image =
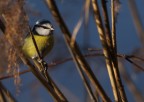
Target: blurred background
{"type": "Point", "coordinates": [65, 74]}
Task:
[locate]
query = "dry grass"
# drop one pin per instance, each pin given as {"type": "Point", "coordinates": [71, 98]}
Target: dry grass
{"type": "Point", "coordinates": [16, 25]}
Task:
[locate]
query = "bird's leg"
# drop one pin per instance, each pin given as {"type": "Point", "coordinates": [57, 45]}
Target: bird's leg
{"type": "Point", "coordinates": [38, 62]}
{"type": "Point", "coordinates": [43, 64]}
{"type": "Point", "coordinates": [44, 70]}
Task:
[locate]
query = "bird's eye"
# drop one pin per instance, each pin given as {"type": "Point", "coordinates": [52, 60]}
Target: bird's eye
{"type": "Point", "coordinates": [45, 27]}
{"type": "Point", "coordinates": [42, 26]}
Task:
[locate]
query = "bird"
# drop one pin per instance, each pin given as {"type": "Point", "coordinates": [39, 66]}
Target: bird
{"type": "Point", "coordinates": [43, 35]}
{"type": "Point", "coordinates": [44, 40]}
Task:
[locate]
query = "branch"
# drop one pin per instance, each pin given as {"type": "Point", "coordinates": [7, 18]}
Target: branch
{"type": "Point", "coordinates": [126, 57]}
{"type": "Point", "coordinates": [114, 53]}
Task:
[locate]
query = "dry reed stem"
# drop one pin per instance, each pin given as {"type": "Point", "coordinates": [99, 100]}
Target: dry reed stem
{"type": "Point", "coordinates": [114, 44]}
{"type": "Point", "coordinates": [86, 10]}
{"type": "Point", "coordinates": [106, 50]}
{"type": "Point", "coordinates": [85, 81]}
{"type": "Point", "coordinates": [120, 88]}
{"type": "Point", "coordinates": [137, 21]}
{"type": "Point", "coordinates": [12, 12]}
{"type": "Point", "coordinates": [130, 84]}
{"type": "Point", "coordinates": [40, 78]}
{"type": "Point", "coordinates": [5, 95]}
{"type": "Point", "coordinates": [52, 84]}
{"type": "Point", "coordinates": [75, 52]}
{"type": "Point", "coordinates": [87, 84]}
{"type": "Point", "coordinates": [107, 24]}
{"type": "Point", "coordinates": [72, 42]}
{"type": "Point", "coordinates": [111, 42]}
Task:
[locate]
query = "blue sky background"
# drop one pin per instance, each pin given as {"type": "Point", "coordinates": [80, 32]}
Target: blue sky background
{"type": "Point", "coordinates": [66, 75]}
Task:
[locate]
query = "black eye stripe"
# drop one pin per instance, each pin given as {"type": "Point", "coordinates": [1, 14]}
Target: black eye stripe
{"type": "Point", "coordinates": [42, 26]}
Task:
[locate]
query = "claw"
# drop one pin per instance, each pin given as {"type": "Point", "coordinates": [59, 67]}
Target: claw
{"type": "Point", "coordinates": [40, 60]}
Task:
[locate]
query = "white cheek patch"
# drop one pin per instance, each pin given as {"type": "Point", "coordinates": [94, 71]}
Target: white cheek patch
{"type": "Point", "coordinates": [42, 31]}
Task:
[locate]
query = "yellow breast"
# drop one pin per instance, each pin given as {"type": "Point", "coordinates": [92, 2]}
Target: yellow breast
{"type": "Point", "coordinates": [44, 43]}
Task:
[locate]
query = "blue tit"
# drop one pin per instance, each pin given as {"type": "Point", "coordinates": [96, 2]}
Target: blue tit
{"type": "Point", "coordinates": [43, 34]}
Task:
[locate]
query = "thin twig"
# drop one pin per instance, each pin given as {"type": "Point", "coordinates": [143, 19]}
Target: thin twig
{"type": "Point", "coordinates": [138, 66]}
{"type": "Point", "coordinates": [35, 44]}
{"type": "Point", "coordinates": [134, 57]}
{"type": "Point", "coordinates": [69, 59]}
{"type": "Point", "coordinates": [12, 75]}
